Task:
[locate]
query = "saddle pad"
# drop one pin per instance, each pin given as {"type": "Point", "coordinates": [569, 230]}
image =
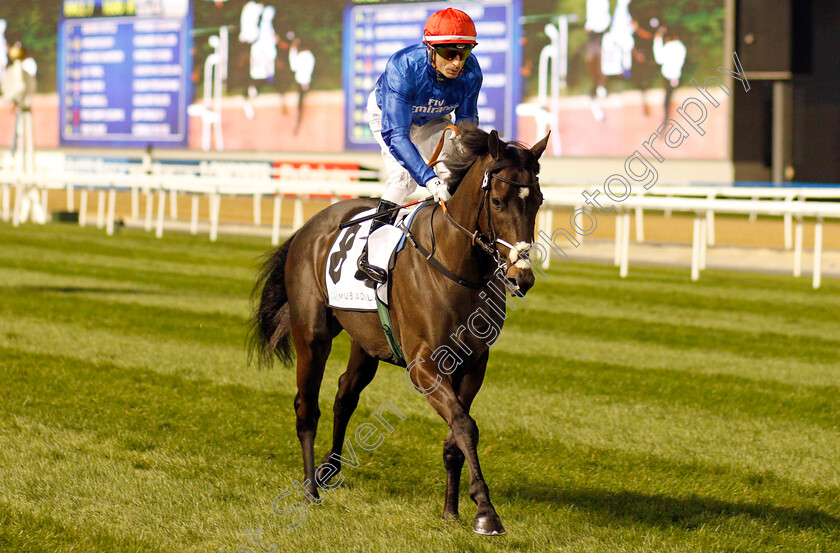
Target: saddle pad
{"type": "Point", "coordinates": [344, 291]}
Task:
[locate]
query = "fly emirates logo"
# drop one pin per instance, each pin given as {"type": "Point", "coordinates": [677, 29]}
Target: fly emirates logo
{"type": "Point", "coordinates": [435, 106]}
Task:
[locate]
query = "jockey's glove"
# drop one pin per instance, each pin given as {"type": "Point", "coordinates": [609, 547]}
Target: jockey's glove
{"type": "Point", "coordinates": [438, 189]}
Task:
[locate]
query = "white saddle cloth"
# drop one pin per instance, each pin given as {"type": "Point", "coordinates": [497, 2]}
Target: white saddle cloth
{"type": "Point", "coordinates": [344, 291]}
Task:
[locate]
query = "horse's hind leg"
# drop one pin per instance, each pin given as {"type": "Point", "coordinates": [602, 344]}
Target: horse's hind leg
{"type": "Point", "coordinates": [313, 348]}
{"type": "Point", "coordinates": [360, 371]}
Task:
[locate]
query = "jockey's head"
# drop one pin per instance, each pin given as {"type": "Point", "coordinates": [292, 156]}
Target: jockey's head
{"type": "Point", "coordinates": [449, 36]}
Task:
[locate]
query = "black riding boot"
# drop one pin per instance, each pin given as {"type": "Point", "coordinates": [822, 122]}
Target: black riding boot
{"type": "Point", "coordinates": [366, 271]}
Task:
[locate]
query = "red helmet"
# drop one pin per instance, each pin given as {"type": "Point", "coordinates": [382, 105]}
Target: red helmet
{"type": "Point", "coordinates": [449, 26]}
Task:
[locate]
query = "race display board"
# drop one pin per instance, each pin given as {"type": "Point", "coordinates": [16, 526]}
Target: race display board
{"type": "Point", "coordinates": [373, 32]}
{"type": "Point", "coordinates": [124, 72]}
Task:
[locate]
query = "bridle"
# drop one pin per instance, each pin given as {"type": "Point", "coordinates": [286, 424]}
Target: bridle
{"type": "Point", "coordinates": [488, 244]}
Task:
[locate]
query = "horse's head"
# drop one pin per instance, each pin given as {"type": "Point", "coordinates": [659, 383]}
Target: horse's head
{"type": "Point", "coordinates": [513, 198]}
{"type": "Point", "coordinates": [510, 197]}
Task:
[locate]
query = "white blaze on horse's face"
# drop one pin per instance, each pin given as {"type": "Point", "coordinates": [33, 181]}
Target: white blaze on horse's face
{"type": "Point", "coordinates": [523, 192]}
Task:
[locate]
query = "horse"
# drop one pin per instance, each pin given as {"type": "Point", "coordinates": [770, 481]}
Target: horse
{"type": "Point", "coordinates": [483, 232]}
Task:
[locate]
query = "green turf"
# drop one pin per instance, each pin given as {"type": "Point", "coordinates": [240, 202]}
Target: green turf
{"type": "Point", "coordinates": [644, 414]}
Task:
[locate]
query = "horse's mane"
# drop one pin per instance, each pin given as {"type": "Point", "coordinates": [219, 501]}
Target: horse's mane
{"type": "Point", "coordinates": [473, 145]}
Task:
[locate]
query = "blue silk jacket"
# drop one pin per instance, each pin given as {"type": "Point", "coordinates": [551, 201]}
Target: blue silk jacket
{"type": "Point", "coordinates": [410, 93]}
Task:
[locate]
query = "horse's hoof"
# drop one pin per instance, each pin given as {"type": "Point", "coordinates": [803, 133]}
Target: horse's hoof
{"type": "Point", "coordinates": [319, 473]}
{"type": "Point", "coordinates": [450, 517]}
{"type": "Point", "coordinates": [489, 526]}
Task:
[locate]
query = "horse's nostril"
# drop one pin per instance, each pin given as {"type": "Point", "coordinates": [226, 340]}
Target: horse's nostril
{"type": "Point", "coordinates": [513, 287]}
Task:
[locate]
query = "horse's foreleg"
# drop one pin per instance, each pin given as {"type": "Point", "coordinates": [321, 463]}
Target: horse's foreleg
{"type": "Point", "coordinates": [466, 386]}
{"type": "Point", "coordinates": [464, 432]}
{"type": "Point", "coordinates": [311, 357]}
{"type": "Point", "coordinates": [360, 371]}
{"type": "Point", "coordinates": [453, 461]}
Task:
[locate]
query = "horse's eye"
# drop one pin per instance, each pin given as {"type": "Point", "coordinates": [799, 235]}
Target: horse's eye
{"type": "Point", "coordinates": [497, 203]}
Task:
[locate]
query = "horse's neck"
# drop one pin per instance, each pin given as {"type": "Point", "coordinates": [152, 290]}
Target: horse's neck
{"type": "Point", "coordinates": [464, 205]}
{"type": "Point", "coordinates": [454, 248]}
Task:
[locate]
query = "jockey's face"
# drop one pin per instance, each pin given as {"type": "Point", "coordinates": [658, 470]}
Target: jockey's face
{"type": "Point", "coordinates": [449, 68]}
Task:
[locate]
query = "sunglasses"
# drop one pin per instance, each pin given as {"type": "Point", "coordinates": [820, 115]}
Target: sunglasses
{"type": "Point", "coordinates": [450, 54]}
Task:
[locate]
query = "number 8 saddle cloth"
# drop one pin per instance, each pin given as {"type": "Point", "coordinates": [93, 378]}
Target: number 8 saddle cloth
{"type": "Point", "coordinates": [344, 291]}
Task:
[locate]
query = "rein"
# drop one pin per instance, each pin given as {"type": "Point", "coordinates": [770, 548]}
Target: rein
{"type": "Point", "coordinates": [434, 159]}
{"type": "Point", "coordinates": [439, 266]}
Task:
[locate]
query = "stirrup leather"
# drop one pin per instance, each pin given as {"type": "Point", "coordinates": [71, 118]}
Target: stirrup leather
{"type": "Point", "coordinates": [366, 270]}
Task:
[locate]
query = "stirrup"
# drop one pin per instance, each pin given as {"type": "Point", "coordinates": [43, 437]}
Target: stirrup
{"type": "Point", "coordinates": [374, 274]}
{"type": "Point", "coordinates": [368, 272]}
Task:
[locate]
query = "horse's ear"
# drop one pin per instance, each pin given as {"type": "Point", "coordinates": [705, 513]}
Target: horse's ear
{"type": "Point", "coordinates": [539, 147]}
{"type": "Point", "coordinates": [495, 145]}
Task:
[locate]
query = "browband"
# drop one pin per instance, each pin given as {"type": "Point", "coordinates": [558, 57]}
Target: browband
{"type": "Point", "coordinates": [488, 175]}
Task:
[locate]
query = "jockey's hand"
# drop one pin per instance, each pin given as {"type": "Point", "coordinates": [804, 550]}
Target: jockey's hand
{"type": "Point", "coordinates": [438, 189]}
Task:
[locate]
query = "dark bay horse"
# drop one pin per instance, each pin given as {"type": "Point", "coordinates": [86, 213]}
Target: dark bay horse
{"type": "Point", "coordinates": [486, 229]}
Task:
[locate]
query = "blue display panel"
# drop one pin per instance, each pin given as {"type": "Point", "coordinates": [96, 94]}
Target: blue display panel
{"type": "Point", "coordinates": [124, 72]}
{"type": "Point", "coordinates": [372, 33]}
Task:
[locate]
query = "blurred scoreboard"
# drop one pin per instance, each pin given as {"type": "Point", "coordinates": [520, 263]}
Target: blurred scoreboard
{"type": "Point", "coordinates": [373, 32]}
{"type": "Point", "coordinates": [124, 71]}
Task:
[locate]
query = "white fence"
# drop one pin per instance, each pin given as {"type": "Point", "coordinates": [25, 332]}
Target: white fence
{"type": "Point", "coordinates": [704, 209]}
{"type": "Point", "coordinates": [300, 183]}
{"type": "Point", "coordinates": [170, 180]}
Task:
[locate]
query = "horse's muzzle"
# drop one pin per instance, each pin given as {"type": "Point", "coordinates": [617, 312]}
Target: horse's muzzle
{"type": "Point", "coordinates": [519, 276]}
{"type": "Point", "coordinates": [519, 281]}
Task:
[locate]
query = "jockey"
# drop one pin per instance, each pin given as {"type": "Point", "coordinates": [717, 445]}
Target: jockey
{"type": "Point", "coordinates": [410, 107]}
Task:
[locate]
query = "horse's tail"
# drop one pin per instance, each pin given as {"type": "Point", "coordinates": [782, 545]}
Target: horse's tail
{"type": "Point", "coordinates": [270, 330]}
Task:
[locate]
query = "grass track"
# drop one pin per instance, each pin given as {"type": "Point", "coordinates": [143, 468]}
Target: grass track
{"type": "Point", "coordinates": [644, 414]}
